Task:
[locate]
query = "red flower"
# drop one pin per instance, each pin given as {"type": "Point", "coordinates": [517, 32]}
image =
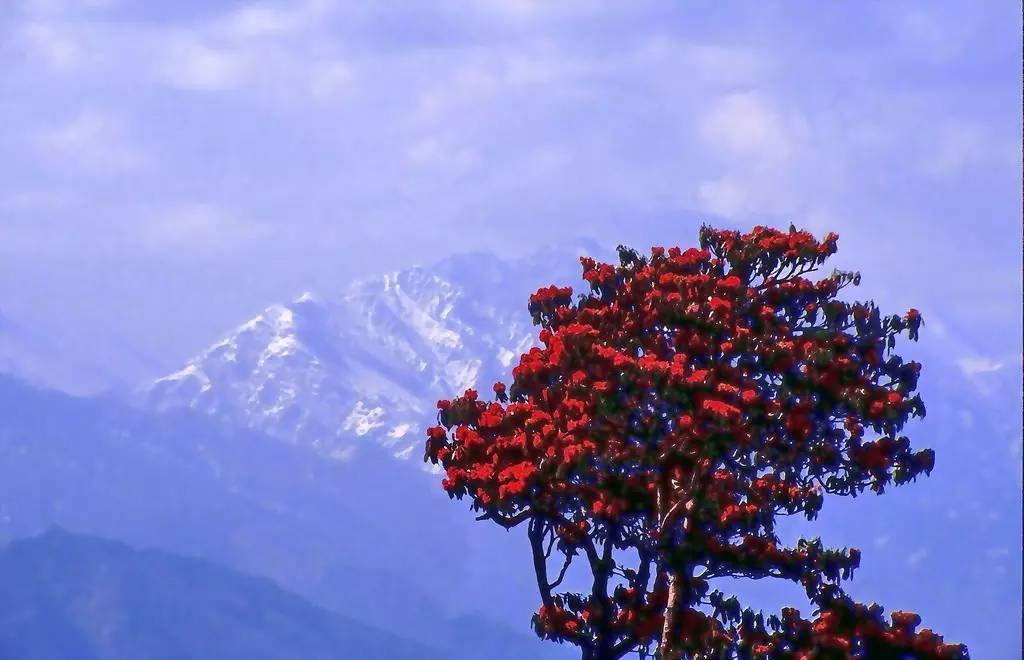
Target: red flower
{"type": "Point", "coordinates": [726, 388]}
{"type": "Point", "coordinates": [720, 305]}
{"type": "Point", "coordinates": [699, 376]}
{"type": "Point", "coordinates": [730, 283]}
{"type": "Point", "coordinates": [720, 408]}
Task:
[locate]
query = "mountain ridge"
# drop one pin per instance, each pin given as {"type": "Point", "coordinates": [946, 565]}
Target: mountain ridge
{"type": "Point", "coordinates": [68, 595]}
{"type": "Point", "coordinates": [360, 538]}
{"type": "Point", "coordinates": [369, 365]}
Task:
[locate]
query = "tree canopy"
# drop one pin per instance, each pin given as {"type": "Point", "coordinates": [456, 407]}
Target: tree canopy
{"type": "Point", "coordinates": [669, 417]}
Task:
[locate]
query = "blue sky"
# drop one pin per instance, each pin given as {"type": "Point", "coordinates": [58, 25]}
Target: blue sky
{"type": "Point", "coordinates": [169, 168]}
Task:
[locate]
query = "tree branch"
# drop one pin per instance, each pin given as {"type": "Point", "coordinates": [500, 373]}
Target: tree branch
{"type": "Point", "coordinates": [508, 522]}
{"type": "Point", "coordinates": [551, 544]}
{"type": "Point", "coordinates": [561, 573]}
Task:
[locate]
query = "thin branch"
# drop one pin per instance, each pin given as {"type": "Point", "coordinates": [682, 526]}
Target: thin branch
{"type": "Point", "coordinates": [672, 513]}
{"type": "Point", "coordinates": [508, 522]}
{"type": "Point", "coordinates": [624, 646]}
{"type": "Point", "coordinates": [561, 573]}
{"type": "Point", "coordinates": [536, 532]}
{"type": "Point", "coordinates": [551, 544]}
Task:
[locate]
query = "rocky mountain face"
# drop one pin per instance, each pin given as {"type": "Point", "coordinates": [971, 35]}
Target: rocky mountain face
{"type": "Point", "coordinates": [334, 374]}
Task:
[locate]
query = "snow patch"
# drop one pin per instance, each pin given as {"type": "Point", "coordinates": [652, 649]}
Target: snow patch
{"type": "Point", "coordinates": [281, 346]}
{"type": "Point", "coordinates": [191, 370]}
{"type": "Point", "coordinates": [505, 356]}
{"type": "Point", "coordinates": [399, 431]}
{"type": "Point", "coordinates": [362, 419]}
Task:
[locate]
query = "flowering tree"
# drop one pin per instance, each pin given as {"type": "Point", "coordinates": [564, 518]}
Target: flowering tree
{"type": "Point", "coordinates": [670, 417]}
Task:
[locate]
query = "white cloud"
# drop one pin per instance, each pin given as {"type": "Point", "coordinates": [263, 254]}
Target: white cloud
{"type": "Point", "coordinates": [958, 146]}
{"type": "Point", "coordinates": [328, 79]}
{"type": "Point", "coordinates": [725, 66]}
{"type": "Point", "coordinates": [91, 141]}
{"type": "Point", "coordinates": [915, 558]}
{"type": "Point", "coordinates": [281, 51]}
{"type": "Point", "coordinates": [746, 124]}
{"type": "Point", "coordinates": [516, 7]}
{"type": "Point", "coordinates": [974, 366]}
{"type": "Point", "coordinates": [264, 19]}
{"type": "Point", "coordinates": [435, 153]}
{"type": "Point", "coordinates": [52, 44]}
{"type": "Point", "coordinates": [725, 197]}
{"type": "Point", "coordinates": [260, 20]}
{"type": "Point", "coordinates": [190, 64]}
{"type": "Point", "coordinates": [61, 7]}
{"type": "Point", "coordinates": [535, 9]}
{"type": "Point", "coordinates": [928, 34]}
{"type": "Point", "coordinates": [467, 86]}
{"type": "Point", "coordinates": [198, 227]}
{"type": "Point", "coordinates": [764, 158]}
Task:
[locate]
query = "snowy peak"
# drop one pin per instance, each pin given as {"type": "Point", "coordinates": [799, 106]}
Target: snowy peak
{"type": "Point", "coordinates": [369, 366]}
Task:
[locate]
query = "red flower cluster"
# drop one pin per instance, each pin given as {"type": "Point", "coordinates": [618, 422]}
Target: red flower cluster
{"type": "Point", "coordinates": [844, 629]}
{"type": "Point", "coordinates": [674, 411]}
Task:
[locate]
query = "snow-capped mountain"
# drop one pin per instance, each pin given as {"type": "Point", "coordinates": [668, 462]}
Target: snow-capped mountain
{"type": "Point", "coordinates": [372, 364]}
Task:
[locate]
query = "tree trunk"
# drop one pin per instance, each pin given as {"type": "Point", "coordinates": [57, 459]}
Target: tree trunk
{"type": "Point", "coordinates": [602, 647]}
{"type": "Point", "coordinates": [605, 639]}
{"type": "Point", "coordinates": [668, 648]}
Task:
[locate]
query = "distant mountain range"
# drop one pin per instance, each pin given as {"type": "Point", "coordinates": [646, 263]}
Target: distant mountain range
{"type": "Point", "coordinates": [291, 449]}
{"type": "Point", "coordinates": [73, 597]}
{"type": "Point", "coordinates": [30, 355]}
{"type": "Point", "coordinates": [382, 546]}
{"type": "Point", "coordinates": [332, 375]}
{"type": "Point", "coordinates": [274, 452]}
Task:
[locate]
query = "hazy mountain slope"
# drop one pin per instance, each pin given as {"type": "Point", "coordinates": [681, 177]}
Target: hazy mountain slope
{"type": "Point", "coordinates": [368, 538]}
{"type": "Point", "coordinates": [26, 353]}
{"type": "Point", "coordinates": [192, 485]}
{"type": "Point", "coordinates": [69, 596]}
